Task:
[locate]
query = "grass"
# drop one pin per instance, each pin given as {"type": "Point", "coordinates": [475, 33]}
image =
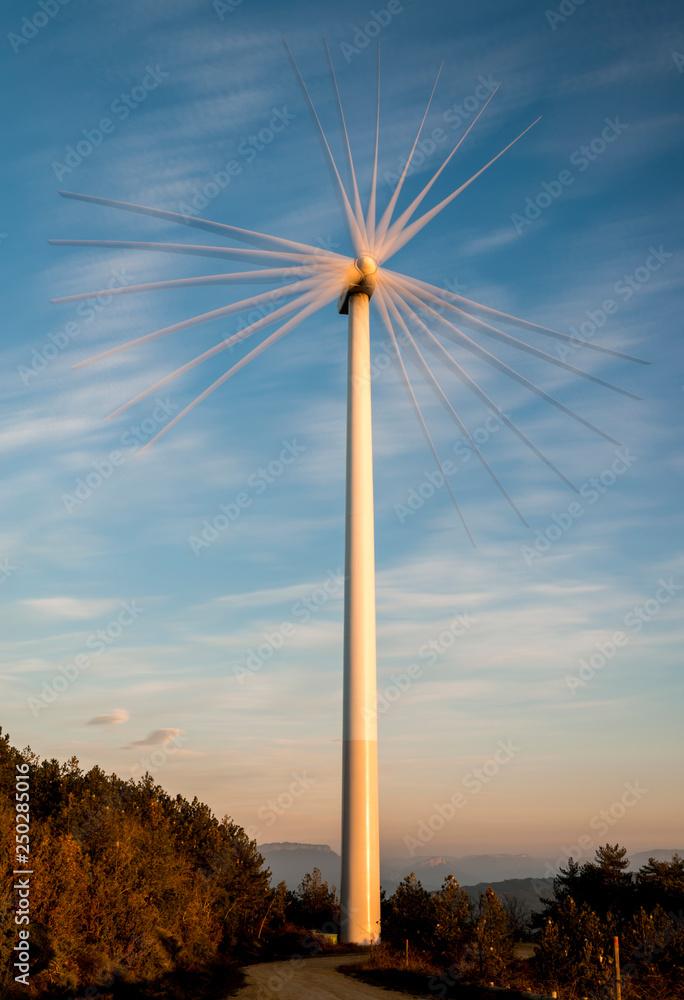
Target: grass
{"type": "Point", "coordinates": [421, 977]}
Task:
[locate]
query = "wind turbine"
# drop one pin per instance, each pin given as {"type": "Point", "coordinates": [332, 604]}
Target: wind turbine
{"type": "Point", "coordinates": [408, 309]}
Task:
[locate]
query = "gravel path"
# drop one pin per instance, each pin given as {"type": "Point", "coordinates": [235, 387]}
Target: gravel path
{"type": "Point", "coordinates": [309, 979]}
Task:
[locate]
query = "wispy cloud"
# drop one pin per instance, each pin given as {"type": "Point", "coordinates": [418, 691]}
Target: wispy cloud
{"type": "Point", "coordinates": [115, 718]}
{"type": "Point", "coordinates": [71, 608]}
{"type": "Point", "coordinates": [157, 738]}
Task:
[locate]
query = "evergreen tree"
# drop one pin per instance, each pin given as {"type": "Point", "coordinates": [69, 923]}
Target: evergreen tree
{"type": "Point", "coordinates": [317, 904]}
{"type": "Point", "coordinates": [603, 885]}
{"type": "Point", "coordinates": [453, 926]}
{"type": "Point", "coordinates": [594, 902]}
{"type": "Point", "coordinates": [410, 916]}
{"type": "Point", "coordinates": [662, 883]}
{"type": "Point", "coordinates": [493, 934]}
{"type": "Point", "coordinates": [128, 882]}
{"type": "Point", "coordinates": [573, 946]}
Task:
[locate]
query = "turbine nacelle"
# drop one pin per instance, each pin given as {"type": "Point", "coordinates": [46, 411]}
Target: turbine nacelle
{"type": "Point", "coordinates": [361, 277]}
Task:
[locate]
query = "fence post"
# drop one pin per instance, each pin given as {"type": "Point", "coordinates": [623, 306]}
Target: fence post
{"type": "Point", "coordinates": [618, 985]}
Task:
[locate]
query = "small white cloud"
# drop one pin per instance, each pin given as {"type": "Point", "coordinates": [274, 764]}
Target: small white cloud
{"type": "Point", "coordinates": [157, 738]}
{"type": "Point", "coordinates": [115, 718]}
{"type": "Point", "coordinates": [26, 431]}
{"type": "Point", "coordinates": [70, 607]}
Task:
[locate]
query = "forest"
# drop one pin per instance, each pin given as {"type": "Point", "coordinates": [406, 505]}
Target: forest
{"type": "Point", "coordinates": [131, 892]}
{"type": "Point", "coordinates": [451, 942]}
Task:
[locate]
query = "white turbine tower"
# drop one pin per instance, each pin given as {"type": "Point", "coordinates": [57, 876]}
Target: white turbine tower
{"type": "Point", "coordinates": [407, 306]}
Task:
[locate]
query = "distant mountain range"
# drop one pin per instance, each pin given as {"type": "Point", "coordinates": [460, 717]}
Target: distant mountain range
{"type": "Point", "coordinates": [640, 859]}
{"type": "Point", "coordinates": [466, 870]}
{"type": "Point", "coordinates": [289, 862]}
{"type": "Point", "coordinates": [529, 892]}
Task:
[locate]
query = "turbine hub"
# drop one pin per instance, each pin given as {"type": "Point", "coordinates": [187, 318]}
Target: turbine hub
{"type": "Point", "coordinates": [366, 264]}
{"type": "Point", "coordinates": [360, 279]}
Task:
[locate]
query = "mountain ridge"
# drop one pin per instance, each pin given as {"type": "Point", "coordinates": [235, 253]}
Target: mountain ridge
{"type": "Point", "coordinates": [290, 861]}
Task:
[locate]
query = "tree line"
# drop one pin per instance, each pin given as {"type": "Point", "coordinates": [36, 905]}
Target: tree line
{"type": "Point", "coordinates": [454, 940]}
{"type": "Point", "coordinates": [134, 892]}
{"type": "Point", "coordinates": [129, 884]}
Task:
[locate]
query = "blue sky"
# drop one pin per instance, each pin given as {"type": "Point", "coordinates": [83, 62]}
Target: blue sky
{"type": "Point", "coordinates": [218, 667]}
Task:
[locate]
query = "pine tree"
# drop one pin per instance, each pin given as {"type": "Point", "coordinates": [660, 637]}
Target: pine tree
{"type": "Point", "coordinates": [317, 902]}
{"type": "Point", "coordinates": [662, 883]}
{"type": "Point", "coordinates": [453, 924]}
{"type": "Point", "coordinates": [493, 933]}
{"type": "Point", "coordinates": [574, 946]}
{"type": "Point", "coordinates": [410, 915]}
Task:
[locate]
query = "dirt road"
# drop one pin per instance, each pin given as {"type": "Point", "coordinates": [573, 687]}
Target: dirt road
{"type": "Point", "coordinates": [309, 979]}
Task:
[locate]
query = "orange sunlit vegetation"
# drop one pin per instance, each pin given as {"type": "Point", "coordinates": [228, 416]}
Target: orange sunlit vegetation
{"type": "Point", "coordinates": [135, 893]}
